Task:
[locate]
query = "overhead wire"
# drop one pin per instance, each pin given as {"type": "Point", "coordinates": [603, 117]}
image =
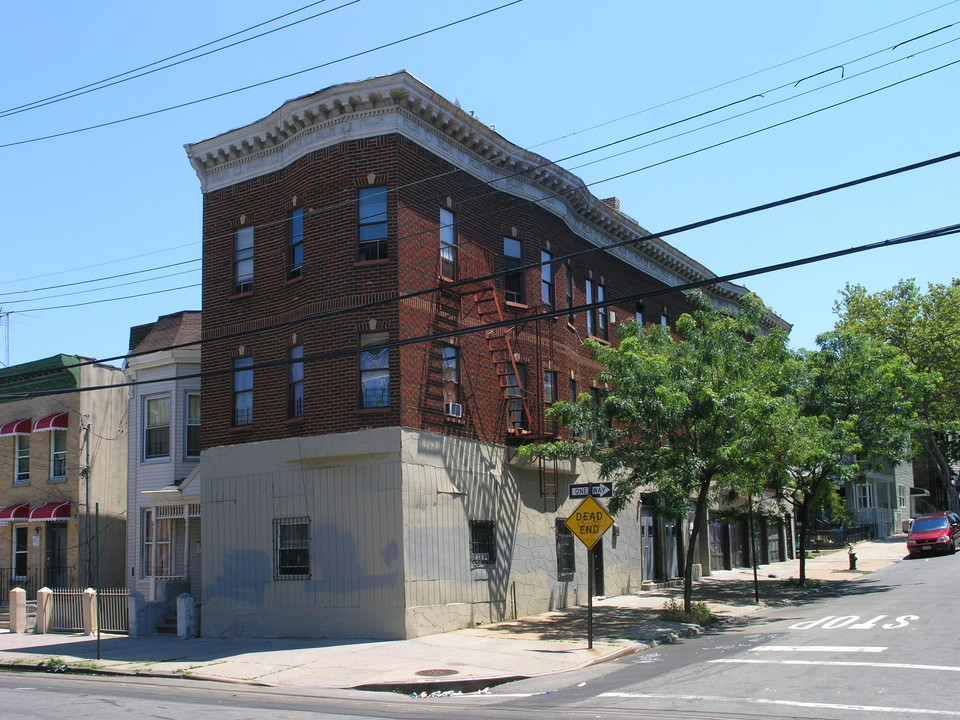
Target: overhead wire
{"type": "Point", "coordinates": [559, 259]}
{"type": "Point", "coordinates": [263, 83]}
{"type": "Point", "coordinates": [137, 72]}
{"type": "Point", "coordinates": [940, 232]}
{"type": "Point", "coordinates": [633, 136]}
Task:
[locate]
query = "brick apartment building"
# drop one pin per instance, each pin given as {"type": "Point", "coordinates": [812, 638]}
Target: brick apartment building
{"type": "Point", "coordinates": [358, 480]}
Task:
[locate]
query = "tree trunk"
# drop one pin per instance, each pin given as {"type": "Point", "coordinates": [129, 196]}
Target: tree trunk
{"type": "Point", "coordinates": [802, 550]}
{"type": "Point", "coordinates": [941, 465]}
{"type": "Point", "coordinates": [698, 518]}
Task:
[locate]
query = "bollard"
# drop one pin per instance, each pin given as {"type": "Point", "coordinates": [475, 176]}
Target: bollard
{"type": "Point", "coordinates": [853, 558]}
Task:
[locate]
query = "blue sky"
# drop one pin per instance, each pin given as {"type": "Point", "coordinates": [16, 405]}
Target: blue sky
{"type": "Point", "coordinates": [122, 199]}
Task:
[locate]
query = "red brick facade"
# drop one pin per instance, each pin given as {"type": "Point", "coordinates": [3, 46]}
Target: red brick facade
{"type": "Point", "coordinates": [311, 310]}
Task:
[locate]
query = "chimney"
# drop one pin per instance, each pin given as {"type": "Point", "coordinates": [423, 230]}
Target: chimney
{"type": "Point", "coordinates": [612, 202]}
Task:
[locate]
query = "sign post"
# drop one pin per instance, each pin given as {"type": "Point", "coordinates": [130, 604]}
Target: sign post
{"type": "Point", "coordinates": [589, 522]}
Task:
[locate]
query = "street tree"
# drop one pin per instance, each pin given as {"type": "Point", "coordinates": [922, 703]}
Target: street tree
{"type": "Point", "coordinates": [852, 407]}
{"type": "Point", "coordinates": [926, 327]}
{"type": "Point", "coordinates": [681, 413]}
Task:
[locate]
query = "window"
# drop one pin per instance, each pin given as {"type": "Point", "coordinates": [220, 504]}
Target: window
{"type": "Point", "coordinates": [588, 286]}
{"type": "Point", "coordinates": [295, 395]}
{"type": "Point", "coordinates": [570, 292]}
{"type": "Point", "coordinates": [448, 245]}
{"type": "Point", "coordinates": [546, 278]}
{"type": "Point", "coordinates": [573, 398]}
{"type": "Point", "coordinates": [864, 495]}
{"type": "Point", "coordinates": [192, 449]}
{"type": "Point", "coordinates": [549, 387]}
{"type": "Point", "coordinates": [596, 317]}
{"type": "Point", "coordinates": [639, 315]}
{"type": "Point", "coordinates": [156, 427]}
{"type": "Point", "coordinates": [243, 391]}
{"type": "Point", "coordinates": [374, 371]}
{"type": "Point", "coordinates": [296, 244]}
{"type": "Point", "coordinates": [451, 374]}
{"type": "Point", "coordinates": [664, 320]}
{"type": "Point", "coordinates": [516, 415]}
{"type": "Point", "coordinates": [58, 455]}
{"type": "Point", "coordinates": [566, 555]}
{"type": "Point", "coordinates": [483, 543]}
{"type": "Point", "coordinates": [243, 261]}
{"type": "Point", "coordinates": [292, 548]}
{"type": "Point", "coordinates": [155, 549]}
{"type": "Point", "coordinates": [20, 551]}
{"type": "Point", "coordinates": [22, 469]}
{"type": "Point", "coordinates": [373, 224]}
{"type": "Point", "coordinates": [606, 423]}
{"type": "Point", "coordinates": [512, 259]}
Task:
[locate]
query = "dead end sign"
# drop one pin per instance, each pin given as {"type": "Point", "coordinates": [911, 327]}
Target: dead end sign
{"type": "Point", "coordinates": [589, 522]}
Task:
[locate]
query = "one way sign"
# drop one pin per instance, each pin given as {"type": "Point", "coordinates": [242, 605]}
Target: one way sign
{"type": "Point", "coordinates": [597, 490]}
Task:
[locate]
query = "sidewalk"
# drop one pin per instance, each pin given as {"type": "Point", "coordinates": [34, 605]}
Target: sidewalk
{"type": "Point", "coordinates": [468, 659]}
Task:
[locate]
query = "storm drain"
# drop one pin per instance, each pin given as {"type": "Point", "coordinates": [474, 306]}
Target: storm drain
{"type": "Point", "coordinates": [441, 672]}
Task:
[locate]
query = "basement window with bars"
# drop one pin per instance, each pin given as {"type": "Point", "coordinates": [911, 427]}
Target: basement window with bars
{"type": "Point", "coordinates": [292, 548]}
{"type": "Point", "coordinates": [483, 543]}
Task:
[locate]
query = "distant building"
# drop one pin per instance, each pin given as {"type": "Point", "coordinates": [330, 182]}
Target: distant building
{"type": "Point", "coordinates": [62, 462]}
{"type": "Point", "coordinates": [358, 479]}
{"type": "Point", "coordinates": [163, 498]}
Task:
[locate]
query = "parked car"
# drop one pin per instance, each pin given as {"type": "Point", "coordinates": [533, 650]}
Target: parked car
{"type": "Point", "coordinates": [934, 532]}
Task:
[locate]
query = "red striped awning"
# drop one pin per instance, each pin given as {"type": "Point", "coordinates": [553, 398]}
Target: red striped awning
{"type": "Point", "coordinates": [50, 511]}
{"type": "Point", "coordinates": [15, 427]}
{"type": "Point", "coordinates": [57, 421]}
{"type": "Point", "coordinates": [20, 511]}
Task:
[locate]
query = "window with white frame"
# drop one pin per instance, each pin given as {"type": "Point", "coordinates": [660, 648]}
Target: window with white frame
{"type": "Point", "coordinates": [451, 374]}
{"type": "Point", "coordinates": [546, 279]}
{"type": "Point", "coordinates": [58, 455]}
{"type": "Point", "coordinates": [374, 370]}
{"type": "Point", "coordinates": [22, 461]}
{"type": "Point", "coordinates": [372, 208]}
{"type": "Point", "coordinates": [448, 245]}
{"type": "Point", "coordinates": [864, 495]}
{"type": "Point", "coordinates": [243, 261]}
{"type": "Point", "coordinates": [295, 393]}
{"type": "Point", "coordinates": [513, 278]}
{"type": "Point", "coordinates": [156, 427]}
{"type": "Point", "coordinates": [292, 548]}
{"type": "Point", "coordinates": [192, 434]}
{"type": "Point", "coordinates": [155, 550]}
{"type": "Point", "coordinates": [295, 259]}
{"type": "Point", "coordinates": [569, 291]}
{"type": "Point", "coordinates": [243, 391]}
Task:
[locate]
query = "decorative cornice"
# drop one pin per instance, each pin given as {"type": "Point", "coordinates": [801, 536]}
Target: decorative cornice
{"type": "Point", "coordinates": [402, 104]}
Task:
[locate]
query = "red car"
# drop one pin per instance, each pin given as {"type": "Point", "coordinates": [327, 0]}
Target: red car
{"type": "Point", "coordinates": [934, 532]}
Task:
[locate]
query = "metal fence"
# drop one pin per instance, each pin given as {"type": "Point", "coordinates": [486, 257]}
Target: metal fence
{"type": "Point", "coordinates": [67, 613]}
{"type": "Point", "coordinates": [838, 537]}
{"type": "Point", "coordinates": [112, 608]}
{"type": "Point", "coordinates": [33, 580]}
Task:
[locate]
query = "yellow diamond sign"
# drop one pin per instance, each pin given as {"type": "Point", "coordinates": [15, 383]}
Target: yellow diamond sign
{"type": "Point", "coordinates": [589, 522]}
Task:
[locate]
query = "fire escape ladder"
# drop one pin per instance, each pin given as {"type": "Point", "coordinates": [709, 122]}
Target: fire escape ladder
{"type": "Point", "coordinates": [549, 482]}
{"type": "Point", "coordinates": [504, 361]}
{"type": "Point", "coordinates": [445, 317]}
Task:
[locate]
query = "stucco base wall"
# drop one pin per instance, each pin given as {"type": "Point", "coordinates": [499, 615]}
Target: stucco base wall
{"type": "Point", "coordinates": [389, 513]}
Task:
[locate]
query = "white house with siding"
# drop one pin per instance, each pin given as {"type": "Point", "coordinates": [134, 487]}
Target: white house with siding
{"type": "Point", "coordinates": [163, 497]}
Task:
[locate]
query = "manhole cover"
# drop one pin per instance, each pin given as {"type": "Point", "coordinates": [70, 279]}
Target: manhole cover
{"type": "Point", "coordinates": [437, 673]}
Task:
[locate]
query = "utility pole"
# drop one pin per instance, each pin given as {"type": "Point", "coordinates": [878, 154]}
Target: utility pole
{"type": "Point", "coordinates": [86, 492]}
{"type": "Point", "coordinates": [5, 317]}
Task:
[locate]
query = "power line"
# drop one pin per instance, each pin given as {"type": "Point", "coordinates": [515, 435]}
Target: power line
{"type": "Point", "coordinates": [88, 89]}
{"type": "Point", "coordinates": [941, 232]}
{"type": "Point", "coordinates": [118, 79]}
{"type": "Point", "coordinates": [560, 259]}
{"type": "Point", "coordinates": [262, 83]}
{"type": "Point", "coordinates": [631, 137]}
{"type": "Point", "coordinates": [106, 287]}
{"type": "Point", "coordinates": [108, 277]}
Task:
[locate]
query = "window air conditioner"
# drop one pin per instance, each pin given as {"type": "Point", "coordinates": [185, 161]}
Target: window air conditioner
{"type": "Point", "coordinates": [453, 410]}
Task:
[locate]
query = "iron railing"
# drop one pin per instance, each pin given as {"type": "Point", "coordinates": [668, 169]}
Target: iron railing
{"type": "Point", "coordinates": [112, 608]}
{"type": "Point", "coordinates": [33, 580]}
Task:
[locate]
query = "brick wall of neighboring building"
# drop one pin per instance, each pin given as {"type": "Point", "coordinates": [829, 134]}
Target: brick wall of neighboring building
{"type": "Point", "coordinates": [324, 183]}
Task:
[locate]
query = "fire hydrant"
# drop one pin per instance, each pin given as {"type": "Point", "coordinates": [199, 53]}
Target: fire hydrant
{"type": "Point", "coordinates": [853, 557]}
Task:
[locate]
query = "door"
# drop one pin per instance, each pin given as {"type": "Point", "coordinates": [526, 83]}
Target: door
{"type": "Point", "coordinates": [670, 537]}
{"type": "Point", "coordinates": [718, 560]}
{"type": "Point", "coordinates": [647, 562]}
{"type": "Point", "coordinates": [56, 557]}
{"type": "Point", "coordinates": [739, 556]}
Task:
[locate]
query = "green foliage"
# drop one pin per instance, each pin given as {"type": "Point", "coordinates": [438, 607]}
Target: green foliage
{"type": "Point", "coordinates": [924, 327]}
{"type": "Point", "coordinates": [699, 613]}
